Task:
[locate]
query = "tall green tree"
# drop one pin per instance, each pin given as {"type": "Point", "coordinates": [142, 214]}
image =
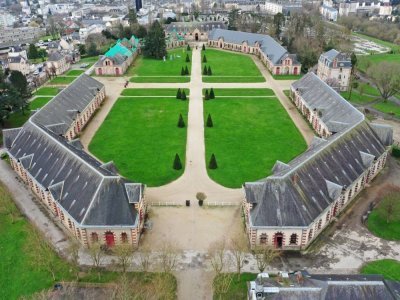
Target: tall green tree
{"type": "Point", "coordinates": [181, 122]}
{"type": "Point", "coordinates": [183, 96]}
{"type": "Point", "coordinates": [155, 46]}
{"type": "Point", "coordinates": [92, 50]}
{"type": "Point", "coordinates": [178, 94]}
{"type": "Point", "coordinates": [20, 84]}
{"type": "Point", "coordinates": [204, 58]}
{"type": "Point", "coordinates": [209, 122]}
{"type": "Point", "coordinates": [212, 95]}
{"type": "Point", "coordinates": [353, 59]}
{"type": "Point", "coordinates": [33, 52]}
{"type": "Point", "coordinates": [213, 163]}
{"type": "Point", "coordinates": [279, 19]}
{"type": "Point", "coordinates": [132, 17]}
{"type": "Point", "coordinates": [177, 162]}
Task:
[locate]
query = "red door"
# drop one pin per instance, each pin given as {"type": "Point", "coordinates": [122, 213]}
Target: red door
{"type": "Point", "coordinates": [100, 71]}
{"type": "Point", "coordinates": [295, 71]}
{"type": "Point", "coordinates": [110, 239]}
{"type": "Point", "coordinates": [278, 70]}
{"type": "Point", "coordinates": [278, 241]}
{"type": "Point", "coordinates": [117, 71]}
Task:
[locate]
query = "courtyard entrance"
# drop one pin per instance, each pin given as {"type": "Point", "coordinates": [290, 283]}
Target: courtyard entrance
{"type": "Point", "coordinates": [278, 240]}
{"type": "Point", "coordinates": [196, 37]}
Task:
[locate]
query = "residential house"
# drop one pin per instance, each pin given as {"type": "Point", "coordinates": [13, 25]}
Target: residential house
{"type": "Point", "coordinates": [334, 67]}
{"type": "Point", "coordinates": [57, 63]}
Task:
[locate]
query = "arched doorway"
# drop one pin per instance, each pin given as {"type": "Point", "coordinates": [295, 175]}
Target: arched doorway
{"type": "Point", "coordinates": [110, 241]}
{"type": "Point", "coordinates": [286, 70]}
{"type": "Point", "coordinates": [196, 36]}
{"type": "Point", "coordinates": [295, 71]}
{"type": "Point", "coordinates": [117, 71]}
{"type": "Point", "coordinates": [100, 71]}
{"type": "Point", "coordinates": [220, 45]}
{"type": "Point", "coordinates": [278, 70]}
{"type": "Point", "coordinates": [278, 240]}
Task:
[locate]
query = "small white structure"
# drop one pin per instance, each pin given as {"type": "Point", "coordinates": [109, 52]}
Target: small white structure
{"type": "Point", "coordinates": [329, 13]}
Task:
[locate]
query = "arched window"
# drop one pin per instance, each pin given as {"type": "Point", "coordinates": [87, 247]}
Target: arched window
{"type": "Point", "coordinates": [263, 238]}
{"type": "Point", "coordinates": [328, 215]}
{"type": "Point", "coordinates": [293, 239]}
{"type": "Point", "coordinates": [94, 237]}
{"type": "Point", "coordinates": [124, 238]}
{"type": "Point", "coordinates": [319, 224]}
{"type": "Point", "coordinates": [310, 234]}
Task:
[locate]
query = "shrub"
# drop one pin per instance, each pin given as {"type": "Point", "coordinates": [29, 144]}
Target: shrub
{"type": "Point", "coordinates": [213, 162]}
{"type": "Point", "coordinates": [205, 72]}
{"type": "Point", "coordinates": [209, 73]}
{"type": "Point", "coordinates": [181, 123]}
{"type": "Point", "coordinates": [187, 58]}
{"type": "Point", "coordinates": [183, 71]}
{"type": "Point", "coordinates": [209, 122]}
{"type": "Point", "coordinates": [204, 58]}
{"type": "Point", "coordinates": [186, 70]}
{"type": "Point", "coordinates": [396, 151]}
{"type": "Point", "coordinates": [188, 48]}
{"type": "Point", "coordinates": [183, 96]}
{"type": "Point", "coordinates": [178, 94]}
{"type": "Point", "coordinates": [203, 48]}
{"type": "Point", "coordinates": [206, 96]}
{"type": "Point", "coordinates": [177, 162]}
{"type": "Point", "coordinates": [201, 197]}
{"type": "Point", "coordinates": [212, 96]}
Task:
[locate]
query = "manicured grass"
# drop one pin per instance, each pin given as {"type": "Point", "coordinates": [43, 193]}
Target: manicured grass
{"type": "Point", "coordinates": [166, 79]}
{"type": "Point", "coordinates": [248, 137]}
{"type": "Point", "coordinates": [365, 61]}
{"type": "Point", "coordinates": [17, 119]}
{"type": "Point", "coordinates": [379, 227]}
{"type": "Point", "coordinates": [237, 288]}
{"type": "Point", "coordinates": [242, 92]}
{"type": "Point", "coordinates": [389, 268]}
{"type": "Point", "coordinates": [159, 70]}
{"type": "Point", "coordinates": [287, 77]}
{"type": "Point", "coordinates": [47, 91]}
{"type": "Point", "coordinates": [62, 80]}
{"type": "Point", "coordinates": [152, 92]}
{"type": "Point", "coordinates": [88, 59]}
{"type": "Point", "coordinates": [368, 89]}
{"type": "Point", "coordinates": [216, 79]}
{"type": "Point", "coordinates": [141, 136]}
{"type": "Point", "coordinates": [357, 98]}
{"type": "Point", "coordinates": [388, 107]}
{"type": "Point", "coordinates": [39, 102]}
{"type": "Point", "coordinates": [394, 47]}
{"type": "Point", "coordinates": [241, 67]}
{"type": "Point", "coordinates": [74, 72]}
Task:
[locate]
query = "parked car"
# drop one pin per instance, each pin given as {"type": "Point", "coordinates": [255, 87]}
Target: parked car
{"type": "Point", "coordinates": [84, 66]}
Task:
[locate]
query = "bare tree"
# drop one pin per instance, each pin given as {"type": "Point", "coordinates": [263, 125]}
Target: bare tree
{"type": "Point", "coordinates": [222, 284]}
{"type": "Point", "coordinates": [73, 252]}
{"type": "Point", "coordinates": [389, 208]}
{"type": "Point", "coordinates": [239, 248]}
{"type": "Point", "coordinates": [124, 254]}
{"type": "Point", "coordinates": [96, 254]}
{"type": "Point", "coordinates": [264, 255]}
{"type": "Point", "coordinates": [386, 76]}
{"type": "Point", "coordinates": [168, 257]}
{"type": "Point", "coordinates": [145, 259]}
{"type": "Point", "coordinates": [216, 254]}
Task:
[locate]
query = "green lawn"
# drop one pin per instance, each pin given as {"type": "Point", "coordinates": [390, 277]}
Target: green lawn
{"type": "Point", "coordinates": [388, 107]}
{"type": "Point", "coordinates": [88, 60]}
{"type": "Point", "coordinates": [237, 288]}
{"type": "Point", "coordinates": [158, 70]}
{"type": "Point", "coordinates": [357, 98]}
{"type": "Point", "coordinates": [141, 136]}
{"type": "Point", "coordinates": [368, 89]}
{"type": "Point", "coordinates": [248, 136]}
{"type": "Point", "coordinates": [39, 102]}
{"type": "Point", "coordinates": [74, 72]}
{"type": "Point", "coordinates": [47, 91]}
{"type": "Point", "coordinates": [235, 66]}
{"type": "Point", "coordinates": [242, 92]}
{"type": "Point", "coordinates": [287, 77]}
{"type": "Point", "coordinates": [62, 80]}
{"type": "Point", "coordinates": [365, 61]}
{"type": "Point", "coordinates": [394, 47]}
{"type": "Point", "coordinates": [389, 268]}
{"type": "Point", "coordinates": [382, 229]}
{"type": "Point", "coordinates": [151, 92]}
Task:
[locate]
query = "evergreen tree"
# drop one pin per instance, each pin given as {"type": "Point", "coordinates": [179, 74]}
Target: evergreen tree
{"type": "Point", "coordinates": [206, 96]}
{"type": "Point", "coordinates": [187, 58]}
{"type": "Point", "coordinates": [203, 48]}
{"type": "Point", "coordinates": [132, 17]}
{"type": "Point", "coordinates": [181, 122]}
{"type": "Point", "coordinates": [188, 47]}
{"type": "Point", "coordinates": [155, 46]}
{"type": "Point", "coordinates": [186, 70]}
{"type": "Point", "coordinates": [177, 162]}
{"type": "Point", "coordinates": [205, 70]}
{"type": "Point", "coordinates": [209, 121]}
{"type": "Point", "coordinates": [212, 95]}
{"type": "Point", "coordinates": [183, 71]}
{"type": "Point", "coordinates": [204, 58]}
{"type": "Point", "coordinates": [183, 96]}
{"type": "Point", "coordinates": [33, 52]}
{"type": "Point", "coordinates": [178, 94]}
{"type": "Point", "coordinates": [213, 162]}
{"type": "Point", "coordinates": [92, 50]}
{"type": "Point", "coordinates": [353, 59]}
{"type": "Point", "coordinates": [21, 95]}
{"type": "Point", "coordinates": [209, 73]}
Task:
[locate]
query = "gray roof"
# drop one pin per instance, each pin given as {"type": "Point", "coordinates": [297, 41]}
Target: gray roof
{"type": "Point", "coordinates": [271, 48]}
{"type": "Point", "coordinates": [55, 56]}
{"type": "Point", "coordinates": [61, 111]}
{"type": "Point", "coordinates": [90, 191]}
{"type": "Point", "coordinates": [299, 191]}
{"type": "Point", "coordinates": [342, 59]}
{"type": "Point", "coordinates": [190, 26]}
{"type": "Point", "coordinates": [117, 59]}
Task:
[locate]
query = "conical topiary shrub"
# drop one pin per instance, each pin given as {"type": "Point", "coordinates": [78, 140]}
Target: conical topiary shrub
{"type": "Point", "coordinates": [204, 59]}
{"type": "Point", "coordinates": [205, 72]}
{"type": "Point", "coordinates": [209, 122]}
{"type": "Point", "coordinates": [183, 96]}
{"type": "Point", "coordinates": [188, 48]}
{"type": "Point", "coordinates": [177, 162]}
{"type": "Point", "coordinates": [206, 95]}
{"type": "Point", "coordinates": [186, 70]}
{"type": "Point", "coordinates": [187, 58]}
{"type": "Point", "coordinates": [213, 162]}
{"type": "Point", "coordinates": [181, 123]}
{"type": "Point", "coordinates": [178, 94]}
{"type": "Point", "coordinates": [203, 48]}
{"type": "Point", "coordinates": [212, 95]}
{"type": "Point", "coordinates": [209, 72]}
{"type": "Point", "coordinates": [183, 71]}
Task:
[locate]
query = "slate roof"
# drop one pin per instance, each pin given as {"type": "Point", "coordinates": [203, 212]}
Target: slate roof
{"type": "Point", "coordinates": [271, 48]}
{"type": "Point", "coordinates": [343, 60]}
{"type": "Point", "coordinates": [299, 191]}
{"type": "Point", "coordinates": [185, 27]}
{"type": "Point", "coordinates": [55, 56]}
{"type": "Point", "coordinates": [90, 191]}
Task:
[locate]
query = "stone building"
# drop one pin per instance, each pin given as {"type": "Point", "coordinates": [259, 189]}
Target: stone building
{"type": "Point", "coordinates": [118, 58]}
{"type": "Point", "coordinates": [18, 61]}
{"type": "Point", "coordinates": [270, 52]}
{"type": "Point", "coordinates": [290, 208]}
{"type": "Point", "coordinates": [92, 201]}
{"type": "Point", "coordinates": [193, 31]}
{"type": "Point", "coordinates": [334, 68]}
{"type": "Point", "coordinates": [57, 63]}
